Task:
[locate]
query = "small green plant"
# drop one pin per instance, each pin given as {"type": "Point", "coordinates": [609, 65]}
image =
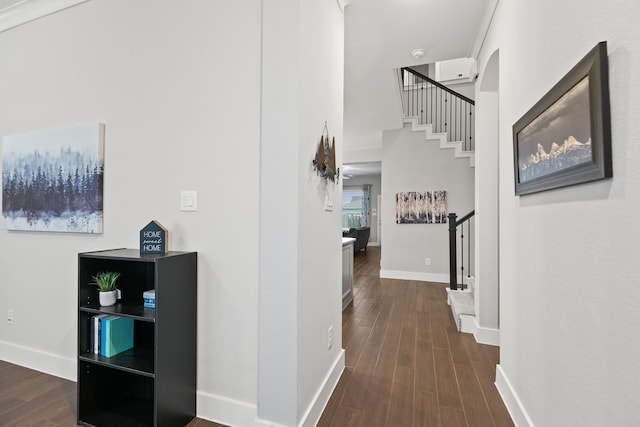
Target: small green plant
{"type": "Point", "coordinates": [105, 280]}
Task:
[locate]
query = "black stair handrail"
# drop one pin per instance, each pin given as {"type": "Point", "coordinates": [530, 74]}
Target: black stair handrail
{"type": "Point", "coordinates": [435, 104]}
{"type": "Point", "coordinates": [454, 223]}
{"type": "Point", "coordinates": [438, 84]}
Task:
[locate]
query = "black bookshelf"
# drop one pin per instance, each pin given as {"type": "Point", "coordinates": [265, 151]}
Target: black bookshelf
{"type": "Point", "coordinates": [153, 383]}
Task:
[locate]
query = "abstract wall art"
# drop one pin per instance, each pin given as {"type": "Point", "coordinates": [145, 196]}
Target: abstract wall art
{"type": "Point", "coordinates": [427, 207]}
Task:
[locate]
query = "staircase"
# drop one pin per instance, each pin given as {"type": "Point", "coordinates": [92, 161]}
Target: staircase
{"type": "Point", "coordinates": [443, 114]}
{"type": "Point", "coordinates": [443, 138]}
{"type": "Point", "coordinates": [447, 117]}
{"type": "Point", "coordinates": [462, 304]}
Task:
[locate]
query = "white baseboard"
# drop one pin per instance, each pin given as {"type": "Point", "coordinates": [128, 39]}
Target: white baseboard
{"type": "Point", "coordinates": [225, 411]}
{"type": "Point", "coordinates": [413, 275]}
{"type": "Point", "coordinates": [487, 335]}
{"type": "Point", "coordinates": [320, 400]}
{"type": "Point", "coordinates": [48, 363]}
{"type": "Point", "coordinates": [469, 324]}
{"type": "Point", "coordinates": [232, 412]}
{"type": "Point", "coordinates": [511, 401]}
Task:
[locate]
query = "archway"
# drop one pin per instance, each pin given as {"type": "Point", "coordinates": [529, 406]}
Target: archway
{"type": "Point", "coordinates": [487, 203]}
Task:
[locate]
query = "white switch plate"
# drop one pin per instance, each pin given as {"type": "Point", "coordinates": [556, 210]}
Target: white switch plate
{"type": "Point", "coordinates": [189, 201]}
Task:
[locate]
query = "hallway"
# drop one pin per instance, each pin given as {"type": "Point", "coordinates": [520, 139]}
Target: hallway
{"type": "Point", "coordinates": [406, 364]}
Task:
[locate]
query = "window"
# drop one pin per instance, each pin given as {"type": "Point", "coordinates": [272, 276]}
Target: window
{"type": "Point", "coordinates": [355, 206]}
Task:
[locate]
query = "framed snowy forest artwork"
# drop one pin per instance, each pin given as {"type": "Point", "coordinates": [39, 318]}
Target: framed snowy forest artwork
{"type": "Point", "coordinates": [53, 180]}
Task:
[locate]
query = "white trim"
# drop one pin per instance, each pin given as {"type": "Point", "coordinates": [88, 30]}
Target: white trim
{"type": "Point", "coordinates": [488, 336]}
{"type": "Point", "coordinates": [314, 411]}
{"type": "Point", "coordinates": [233, 412]}
{"type": "Point", "coordinates": [344, 3]}
{"type": "Point", "coordinates": [414, 275]}
{"type": "Point", "coordinates": [226, 411]}
{"type": "Point", "coordinates": [511, 401]}
{"type": "Point", "coordinates": [48, 363]}
{"type": "Point", "coordinates": [30, 10]}
{"type": "Point", "coordinates": [488, 10]}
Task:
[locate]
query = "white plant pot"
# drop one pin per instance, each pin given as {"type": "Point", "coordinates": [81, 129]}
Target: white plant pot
{"type": "Point", "coordinates": [108, 298]}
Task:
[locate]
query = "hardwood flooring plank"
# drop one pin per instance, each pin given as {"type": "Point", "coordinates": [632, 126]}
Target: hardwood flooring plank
{"type": "Point", "coordinates": [356, 344]}
{"type": "Point", "coordinates": [336, 397]}
{"type": "Point", "coordinates": [51, 400]}
{"type": "Point", "coordinates": [425, 375]}
{"type": "Point", "coordinates": [346, 417]}
{"type": "Point", "coordinates": [425, 410]}
{"type": "Point", "coordinates": [438, 331]}
{"type": "Point", "coordinates": [401, 406]}
{"type": "Point", "coordinates": [376, 406]}
{"type": "Point", "coordinates": [356, 391]}
{"type": "Point", "coordinates": [423, 326]}
{"type": "Point", "coordinates": [475, 406]}
{"type": "Point", "coordinates": [458, 349]}
{"type": "Point", "coordinates": [450, 417]}
{"type": "Point", "coordinates": [446, 381]}
{"type": "Point", "coordinates": [485, 371]}
{"type": "Point", "coordinates": [405, 362]}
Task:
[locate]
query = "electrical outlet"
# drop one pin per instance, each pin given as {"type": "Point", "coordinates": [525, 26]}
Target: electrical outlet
{"type": "Point", "coordinates": [427, 261]}
{"type": "Point", "coordinates": [330, 337]}
{"type": "Point", "coordinates": [10, 317]}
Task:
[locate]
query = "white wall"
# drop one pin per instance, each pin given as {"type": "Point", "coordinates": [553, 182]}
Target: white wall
{"type": "Point", "coordinates": [410, 163]}
{"type": "Point", "coordinates": [319, 238]}
{"type": "Point", "coordinates": [300, 256]}
{"type": "Point", "coordinates": [486, 205]}
{"type": "Point", "coordinates": [568, 277]}
{"type": "Point", "coordinates": [153, 75]}
{"type": "Point", "coordinates": [178, 85]}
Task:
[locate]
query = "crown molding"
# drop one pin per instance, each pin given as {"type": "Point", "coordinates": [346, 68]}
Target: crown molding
{"type": "Point", "coordinates": [488, 10]}
{"type": "Point", "coordinates": [30, 10]}
{"type": "Point", "coordinates": [344, 3]}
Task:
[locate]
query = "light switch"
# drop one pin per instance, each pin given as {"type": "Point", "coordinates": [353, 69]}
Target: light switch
{"type": "Point", "coordinates": [189, 201]}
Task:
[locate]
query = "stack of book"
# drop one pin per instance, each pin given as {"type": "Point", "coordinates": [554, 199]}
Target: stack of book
{"type": "Point", "coordinates": [149, 298]}
{"type": "Point", "coordinates": [110, 334]}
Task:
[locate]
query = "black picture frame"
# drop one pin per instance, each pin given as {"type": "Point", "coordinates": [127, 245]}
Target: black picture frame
{"type": "Point", "coordinates": [565, 138]}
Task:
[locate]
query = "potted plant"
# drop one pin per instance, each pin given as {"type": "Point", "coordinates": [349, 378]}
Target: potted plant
{"type": "Point", "coordinates": [106, 282]}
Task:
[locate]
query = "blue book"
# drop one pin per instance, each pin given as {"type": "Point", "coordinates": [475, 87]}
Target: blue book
{"type": "Point", "coordinates": [117, 335]}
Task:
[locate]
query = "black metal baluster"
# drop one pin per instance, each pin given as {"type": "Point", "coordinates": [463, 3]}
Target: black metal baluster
{"type": "Point", "coordinates": [471, 147]}
{"type": "Point", "coordinates": [462, 254]}
{"type": "Point", "coordinates": [444, 117]}
{"type": "Point", "coordinates": [469, 252]}
{"type": "Point", "coordinates": [453, 270]}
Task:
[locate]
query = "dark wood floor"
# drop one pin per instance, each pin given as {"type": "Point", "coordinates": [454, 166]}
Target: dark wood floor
{"type": "Point", "coordinates": [30, 398]}
{"type": "Point", "coordinates": [406, 364]}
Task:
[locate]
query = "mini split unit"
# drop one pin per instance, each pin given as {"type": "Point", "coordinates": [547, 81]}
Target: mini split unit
{"type": "Point", "coordinates": [455, 71]}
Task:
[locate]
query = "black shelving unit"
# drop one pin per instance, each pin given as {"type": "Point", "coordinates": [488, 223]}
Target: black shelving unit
{"type": "Point", "coordinates": [153, 383]}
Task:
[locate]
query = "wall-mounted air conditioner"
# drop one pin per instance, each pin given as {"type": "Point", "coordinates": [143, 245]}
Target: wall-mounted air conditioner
{"type": "Point", "coordinates": [456, 71]}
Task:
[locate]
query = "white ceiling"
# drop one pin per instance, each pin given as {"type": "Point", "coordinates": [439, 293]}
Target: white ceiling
{"type": "Point", "coordinates": [379, 37]}
{"type": "Point", "coordinates": [361, 169]}
{"type": "Point", "coordinates": [4, 4]}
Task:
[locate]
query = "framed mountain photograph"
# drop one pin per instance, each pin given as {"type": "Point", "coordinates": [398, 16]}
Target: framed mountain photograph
{"type": "Point", "coordinates": [565, 139]}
